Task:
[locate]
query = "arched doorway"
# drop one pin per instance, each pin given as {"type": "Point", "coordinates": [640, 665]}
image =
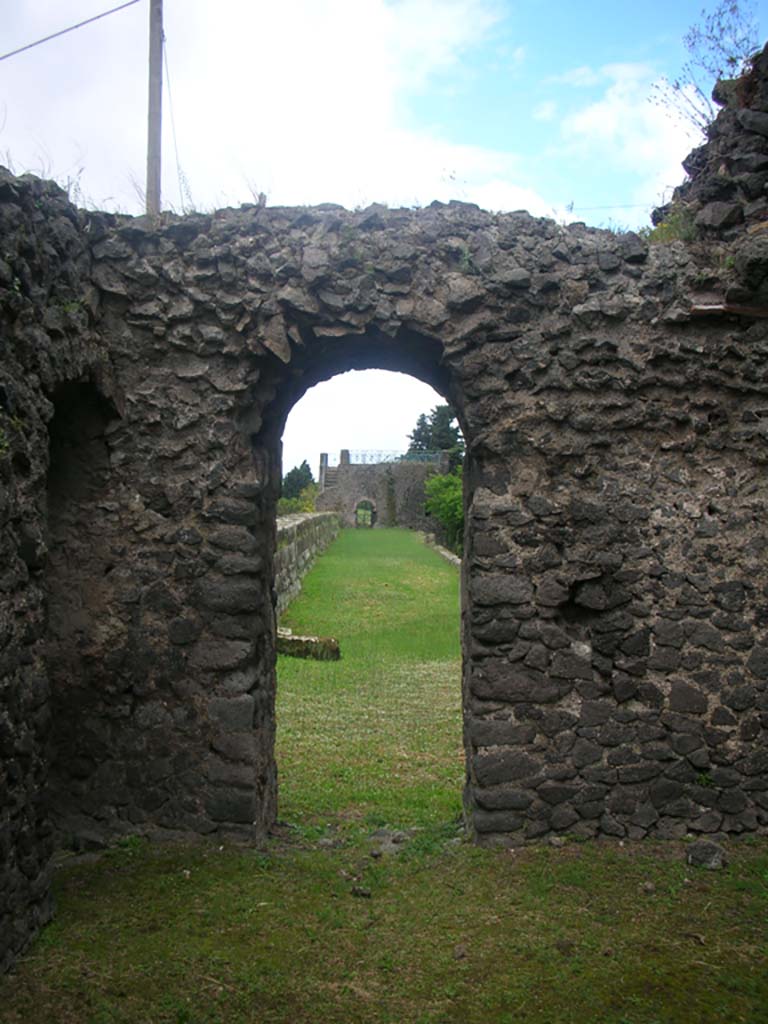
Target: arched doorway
{"type": "Point", "coordinates": [365, 514]}
{"type": "Point", "coordinates": [408, 351]}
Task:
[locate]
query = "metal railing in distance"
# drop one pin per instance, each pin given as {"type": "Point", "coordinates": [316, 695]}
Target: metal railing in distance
{"type": "Point", "coordinates": [372, 458]}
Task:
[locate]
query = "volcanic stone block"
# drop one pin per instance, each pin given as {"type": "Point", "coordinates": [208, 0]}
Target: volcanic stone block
{"type": "Point", "coordinates": [497, 821]}
{"type": "Point", "coordinates": [719, 215]}
{"type": "Point", "coordinates": [502, 798]}
{"type": "Point", "coordinates": [563, 817]}
{"type": "Point", "coordinates": [687, 699]}
{"type": "Point", "coordinates": [504, 766]}
{"type": "Point", "coordinates": [215, 655]}
{"type": "Point", "coordinates": [757, 663]}
{"type": "Point", "coordinates": [753, 121]}
{"type": "Point", "coordinates": [232, 713]}
{"type": "Point", "coordinates": [571, 666]}
{"type": "Point", "coordinates": [501, 589]}
{"type": "Point", "coordinates": [585, 752]}
{"type": "Point", "coordinates": [556, 792]}
{"type": "Point", "coordinates": [497, 679]}
{"type": "Point", "coordinates": [228, 804]}
{"type": "Point", "coordinates": [706, 854]}
{"type": "Point", "coordinates": [229, 594]}
{"type": "Point", "coordinates": [504, 732]}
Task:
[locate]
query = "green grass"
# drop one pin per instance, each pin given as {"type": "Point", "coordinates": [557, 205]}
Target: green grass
{"type": "Point", "coordinates": [312, 929]}
{"type": "Point", "coordinates": [394, 698]}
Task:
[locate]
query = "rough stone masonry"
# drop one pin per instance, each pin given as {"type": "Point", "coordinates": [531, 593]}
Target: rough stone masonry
{"type": "Point", "coordinates": [615, 590]}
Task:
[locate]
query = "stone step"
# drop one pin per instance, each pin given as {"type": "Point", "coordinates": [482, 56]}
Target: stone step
{"type": "Point", "coordinates": [321, 648]}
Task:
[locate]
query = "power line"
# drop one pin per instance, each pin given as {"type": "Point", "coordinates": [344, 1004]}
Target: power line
{"type": "Point", "coordinates": [617, 206]}
{"type": "Point", "coordinates": [71, 28]}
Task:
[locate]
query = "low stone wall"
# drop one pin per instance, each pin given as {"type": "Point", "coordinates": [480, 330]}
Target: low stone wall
{"type": "Point", "coordinates": [300, 539]}
{"type": "Point", "coordinates": [450, 556]}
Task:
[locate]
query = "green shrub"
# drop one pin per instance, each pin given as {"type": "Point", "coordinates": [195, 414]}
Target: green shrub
{"type": "Point", "coordinates": [679, 226]}
{"type": "Point", "coordinates": [296, 480]}
{"type": "Point", "coordinates": [304, 502]}
{"type": "Point", "coordinates": [445, 501]}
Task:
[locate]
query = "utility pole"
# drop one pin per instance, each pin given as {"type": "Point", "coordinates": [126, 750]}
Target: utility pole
{"type": "Point", "coordinates": [155, 106]}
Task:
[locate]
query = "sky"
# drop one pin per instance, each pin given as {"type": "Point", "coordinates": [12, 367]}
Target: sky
{"type": "Point", "coordinates": [511, 104]}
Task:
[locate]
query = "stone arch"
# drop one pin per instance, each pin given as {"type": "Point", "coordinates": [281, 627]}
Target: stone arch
{"type": "Point", "coordinates": [322, 355]}
{"type": "Point", "coordinates": [561, 354]}
{"type": "Point", "coordinates": [538, 336]}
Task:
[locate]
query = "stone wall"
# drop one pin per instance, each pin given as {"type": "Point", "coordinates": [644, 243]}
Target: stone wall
{"type": "Point", "coordinates": [727, 187]}
{"type": "Point", "coordinates": [47, 312]}
{"type": "Point", "coordinates": [300, 539]}
{"type": "Point", "coordinates": [615, 581]}
{"type": "Point", "coordinates": [612, 494]}
{"type": "Point", "coordinates": [396, 490]}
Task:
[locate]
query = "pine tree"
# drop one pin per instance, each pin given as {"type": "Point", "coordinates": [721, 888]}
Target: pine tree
{"type": "Point", "coordinates": [445, 432]}
{"type": "Point", "coordinates": [296, 479]}
{"type": "Point", "coordinates": [421, 436]}
{"type": "Point", "coordinates": [438, 432]}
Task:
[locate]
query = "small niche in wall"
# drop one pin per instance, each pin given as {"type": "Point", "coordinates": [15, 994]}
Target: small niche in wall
{"type": "Point", "coordinates": [81, 551]}
{"type": "Point", "coordinates": [79, 460]}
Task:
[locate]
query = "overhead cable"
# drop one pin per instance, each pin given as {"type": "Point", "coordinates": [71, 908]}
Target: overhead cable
{"type": "Point", "coordinates": [55, 35]}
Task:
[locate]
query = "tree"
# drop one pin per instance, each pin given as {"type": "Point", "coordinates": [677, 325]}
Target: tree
{"type": "Point", "coordinates": [296, 479]}
{"type": "Point", "coordinates": [445, 431]}
{"type": "Point", "coordinates": [445, 501]}
{"type": "Point", "coordinates": [303, 502]}
{"type": "Point", "coordinates": [421, 436]}
{"type": "Point", "coordinates": [438, 432]}
{"type": "Point", "coordinates": [720, 46]}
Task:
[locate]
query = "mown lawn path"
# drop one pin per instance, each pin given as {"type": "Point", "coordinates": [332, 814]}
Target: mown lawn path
{"type": "Point", "coordinates": [375, 738]}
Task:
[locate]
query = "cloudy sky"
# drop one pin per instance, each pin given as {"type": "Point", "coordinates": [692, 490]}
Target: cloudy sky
{"type": "Point", "coordinates": [507, 103]}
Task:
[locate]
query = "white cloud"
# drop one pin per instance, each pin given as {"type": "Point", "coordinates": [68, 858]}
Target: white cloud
{"type": "Point", "coordinates": [581, 77]}
{"type": "Point", "coordinates": [631, 133]}
{"type": "Point", "coordinates": [306, 100]}
{"type": "Point", "coordinates": [501, 194]}
{"type": "Point", "coordinates": [545, 111]}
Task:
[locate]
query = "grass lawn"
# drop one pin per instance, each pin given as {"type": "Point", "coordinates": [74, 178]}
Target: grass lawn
{"type": "Point", "coordinates": [375, 738]}
{"type": "Point", "coordinates": [313, 929]}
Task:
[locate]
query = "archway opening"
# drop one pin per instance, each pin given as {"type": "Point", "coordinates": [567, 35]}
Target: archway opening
{"type": "Point", "coordinates": [379, 732]}
{"type": "Point", "coordinates": [365, 514]}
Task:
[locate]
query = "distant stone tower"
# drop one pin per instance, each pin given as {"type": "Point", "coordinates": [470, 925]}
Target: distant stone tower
{"type": "Point", "coordinates": [389, 485]}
